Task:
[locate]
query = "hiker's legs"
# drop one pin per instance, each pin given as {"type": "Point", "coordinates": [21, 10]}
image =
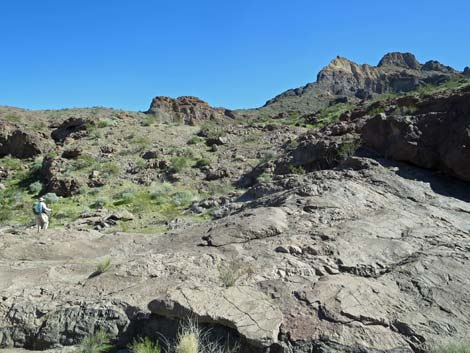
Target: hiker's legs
{"type": "Point", "coordinates": [45, 221]}
{"type": "Point", "coordinates": [39, 222]}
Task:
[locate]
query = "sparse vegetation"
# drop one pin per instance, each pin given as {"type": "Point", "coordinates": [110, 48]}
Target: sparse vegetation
{"type": "Point", "coordinates": [192, 339]}
{"type": "Point", "coordinates": [96, 343]}
{"type": "Point", "coordinates": [231, 272]}
{"type": "Point", "coordinates": [35, 188]}
{"type": "Point", "coordinates": [103, 266]}
{"type": "Point", "coordinates": [145, 345]}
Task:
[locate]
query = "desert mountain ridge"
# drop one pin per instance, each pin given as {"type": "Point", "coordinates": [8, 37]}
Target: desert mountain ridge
{"type": "Point", "coordinates": [333, 219]}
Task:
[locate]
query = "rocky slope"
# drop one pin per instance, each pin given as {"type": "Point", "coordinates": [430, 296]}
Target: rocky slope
{"type": "Point", "coordinates": [372, 254]}
{"type": "Point", "coordinates": [396, 72]}
{"type": "Point", "coordinates": [344, 231]}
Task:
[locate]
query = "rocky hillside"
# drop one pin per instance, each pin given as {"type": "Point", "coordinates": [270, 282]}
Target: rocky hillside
{"type": "Point", "coordinates": [344, 229]}
{"type": "Point", "coordinates": [345, 80]}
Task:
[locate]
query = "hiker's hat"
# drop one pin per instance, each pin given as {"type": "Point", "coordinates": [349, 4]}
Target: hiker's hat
{"type": "Point", "coordinates": [41, 199]}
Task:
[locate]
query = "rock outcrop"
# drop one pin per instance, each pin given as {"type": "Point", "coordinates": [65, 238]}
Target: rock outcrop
{"type": "Point", "coordinates": [396, 72]}
{"type": "Point", "coordinates": [376, 261]}
{"type": "Point", "coordinates": [19, 143]}
{"type": "Point", "coordinates": [343, 78]}
{"type": "Point", "coordinates": [72, 127]}
{"type": "Point", "coordinates": [186, 110]}
{"type": "Point", "coordinates": [431, 132]}
{"type": "Point", "coordinates": [56, 180]}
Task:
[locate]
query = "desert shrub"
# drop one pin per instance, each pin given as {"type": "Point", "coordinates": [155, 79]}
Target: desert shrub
{"type": "Point", "coordinates": [182, 198]}
{"type": "Point", "coordinates": [104, 123]}
{"type": "Point", "coordinates": [84, 161]}
{"type": "Point", "coordinates": [96, 343]}
{"type": "Point", "coordinates": [264, 177]}
{"type": "Point", "coordinates": [99, 203]}
{"type": "Point", "coordinates": [12, 118]}
{"type": "Point", "coordinates": [195, 140]}
{"type": "Point", "coordinates": [231, 272]}
{"type": "Point", "coordinates": [145, 345]}
{"type": "Point", "coordinates": [110, 168]}
{"type": "Point", "coordinates": [149, 120]}
{"type": "Point", "coordinates": [140, 163]}
{"type": "Point", "coordinates": [35, 187]}
{"type": "Point", "coordinates": [268, 156]}
{"type": "Point", "coordinates": [103, 266]}
{"type": "Point", "coordinates": [11, 163]}
{"type": "Point", "coordinates": [125, 197]}
{"type": "Point", "coordinates": [188, 342]}
{"type": "Point", "coordinates": [51, 197]}
{"type": "Point", "coordinates": [192, 339]}
{"type": "Point", "coordinates": [293, 169]}
{"type": "Point", "coordinates": [202, 162]}
{"type": "Point", "coordinates": [453, 347]}
{"type": "Point", "coordinates": [178, 164]}
{"type": "Point", "coordinates": [211, 130]}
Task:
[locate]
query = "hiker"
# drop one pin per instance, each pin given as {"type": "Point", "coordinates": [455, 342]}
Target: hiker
{"type": "Point", "coordinates": [40, 210]}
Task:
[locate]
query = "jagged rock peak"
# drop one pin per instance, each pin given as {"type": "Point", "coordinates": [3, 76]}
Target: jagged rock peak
{"type": "Point", "coordinates": [405, 60]}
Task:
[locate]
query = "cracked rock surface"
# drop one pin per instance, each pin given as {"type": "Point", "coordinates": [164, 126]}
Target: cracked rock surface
{"type": "Point", "coordinates": [373, 259]}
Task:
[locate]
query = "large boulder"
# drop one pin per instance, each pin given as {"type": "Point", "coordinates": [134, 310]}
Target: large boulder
{"type": "Point", "coordinates": [437, 136]}
{"type": "Point", "coordinates": [73, 127]}
{"type": "Point", "coordinates": [186, 110]}
{"type": "Point", "coordinates": [19, 143]}
{"type": "Point", "coordinates": [55, 179]}
{"type": "Point", "coordinates": [244, 309]}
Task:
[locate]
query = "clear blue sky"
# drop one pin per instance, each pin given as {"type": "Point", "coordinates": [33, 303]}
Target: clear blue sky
{"type": "Point", "coordinates": [238, 53]}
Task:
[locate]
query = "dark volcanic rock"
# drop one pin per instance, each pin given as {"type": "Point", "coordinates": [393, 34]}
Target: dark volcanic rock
{"type": "Point", "coordinates": [72, 153]}
{"type": "Point", "coordinates": [187, 110]}
{"type": "Point", "coordinates": [466, 71]}
{"type": "Point", "coordinates": [434, 65]}
{"type": "Point", "coordinates": [54, 179]}
{"type": "Point", "coordinates": [73, 127]}
{"type": "Point", "coordinates": [437, 137]}
{"type": "Point", "coordinates": [18, 143]}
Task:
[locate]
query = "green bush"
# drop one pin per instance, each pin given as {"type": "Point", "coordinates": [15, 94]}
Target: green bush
{"type": "Point", "coordinates": [145, 345]}
{"type": "Point", "coordinates": [178, 164]}
{"type": "Point", "coordinates": [96, 343]}
{"type": "Point", "coordinates": [99, 203]}
{"type": "Point", "coordinates": [110, 168]}
{"type": "Point", "coordinates": [202, 162]}
{"type": "Point", "coordinates": [103, 266]}
{"type": "Point", "coordinates": [51, 197]}
{"type": "Point", "coordinates": [195, 140]}
{"type": "Point", "coordinates": [182, 198]}
{"type": "Point", "coordinates": [104, 123]}
{"type": "Point", "coordinates": [296, 169]}
{"type": "Point", "coordinates": [149, 120]}
{"type": "Point", "coordinates": [35, 187]}
{"type": "Point", "coordinates": [264, 177]}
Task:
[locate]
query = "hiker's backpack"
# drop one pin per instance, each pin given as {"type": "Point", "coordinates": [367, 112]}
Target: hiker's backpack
{"type": "Point", "coordinates": [37, 208]}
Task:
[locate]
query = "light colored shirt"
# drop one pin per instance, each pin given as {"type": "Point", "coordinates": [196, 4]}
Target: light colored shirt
{"type": "Point", "coordinates": [44, 207]}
